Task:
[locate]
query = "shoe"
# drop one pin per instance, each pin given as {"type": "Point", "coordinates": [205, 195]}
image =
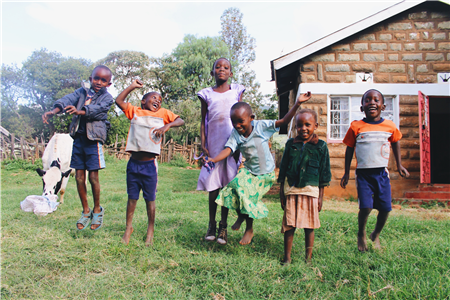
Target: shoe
{"type": "Point", "coordinates": [211, 233]}
{"type": "Point", "coordinates": [222, 236]}
{"type": "Point", "coordinates": [97, 219]}
{"type": "Point", "coordinates": [85, 219]}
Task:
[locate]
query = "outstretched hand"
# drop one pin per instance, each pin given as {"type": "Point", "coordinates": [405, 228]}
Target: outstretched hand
{"type": "Point", "coordinates": [47, 116]}
{"type": "Point", "coordinates": [304, 97]}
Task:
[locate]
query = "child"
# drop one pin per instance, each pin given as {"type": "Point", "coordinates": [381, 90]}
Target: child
{"type": "Point", "coordinates": [144, 144]}
{"type": "Point", "coordinates": [304, 171]}
{"type": "Point", "coordinates": [251, 137]}
{"type": "Point", "coordinates": [215, 129]}
{"type": "Point", "coordinates": [370, 138]}
{"type": "Point", "coordinates": [88, 130]}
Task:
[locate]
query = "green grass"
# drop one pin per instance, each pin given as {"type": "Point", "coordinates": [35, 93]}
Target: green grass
{"type": "Point", "coordinates": [47, 258]}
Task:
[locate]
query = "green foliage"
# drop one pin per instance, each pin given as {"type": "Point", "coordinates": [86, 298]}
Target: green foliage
{"type": "Point", "coordinates": [119, 126]}
{"type": "Point", "coordinates": [271, 113]}
{"type": "Point", "coordinates": [21, 164]}
{"type": "Point", "coordinates": [190, 111]}
{"type": "Point", "coordinates": [178, 160]}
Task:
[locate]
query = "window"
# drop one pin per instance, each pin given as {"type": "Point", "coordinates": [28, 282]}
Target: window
{"type": "Point", "coordinates": [345, 109]}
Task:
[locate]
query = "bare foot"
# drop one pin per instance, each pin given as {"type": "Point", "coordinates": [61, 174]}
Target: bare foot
{"type": "Point", "coordinates": [362, 244]}
{"type": "Point", "coordinates": [127, 235]}
{"type": "Point", "coordinates": [149, 240]}
{"type": "Point", "coordinates": [237, 225]}
{"type": "Point", "coordinates": [375, 239]}
{"type": "Point", "coordinates": [286, 261]}
{"type": "Point", "coordinates": [247, 238]}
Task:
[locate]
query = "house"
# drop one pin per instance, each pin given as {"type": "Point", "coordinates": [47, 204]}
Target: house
{"type": "Point", "coordinates": [402, 51]}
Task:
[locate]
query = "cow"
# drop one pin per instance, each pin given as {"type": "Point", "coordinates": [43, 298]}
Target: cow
{"type": "Point", "coordinates": [56, 165]}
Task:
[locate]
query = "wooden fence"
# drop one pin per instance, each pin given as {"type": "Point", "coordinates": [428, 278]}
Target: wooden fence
{"type": "Point", "coordinates": [19, 148]}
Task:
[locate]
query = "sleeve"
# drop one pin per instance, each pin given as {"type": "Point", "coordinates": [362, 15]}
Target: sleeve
{"type": "Point", "coordinates": [239, 88]}
{"type": "Point", "coordinates": [232, 142]}
{"type": "Point", "coordinates": [396, 135]}
{"type": "Point", "coordinates": [203, 94]}
{"type": "Point", "coordinates": [169, 117]}
{"type": "Point", "coordinates": [267, 128]}
{"type": "Point", "coordinates": [325, 169]}
{"type": "Point", "coordinates": [129, 111]}
{"type": "Point", "coordinates": [284, 161]}
{"type": "Point", "coordinates": [99, 111]}
{"type": "Point", "coordinates": [70, 99]}
{"type": "Point", "coordinates": [350, 137]}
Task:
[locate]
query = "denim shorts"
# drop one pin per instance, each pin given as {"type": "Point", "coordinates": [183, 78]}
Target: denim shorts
{"type": "Point", "coordinates": [87, 154]}
{"type": "Point", "coordinates": [374, 189]}
{"type": "Point", "coordinates": [142, 175]}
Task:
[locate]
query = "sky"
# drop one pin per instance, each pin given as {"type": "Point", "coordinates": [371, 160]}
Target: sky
{"type": "Point", "coordinates": [92, 30]}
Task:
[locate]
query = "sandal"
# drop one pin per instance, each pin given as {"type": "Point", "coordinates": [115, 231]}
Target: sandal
{"type": "Point", "coordinates": [85, 219]}
{"type": "Point", "coordinates": [97, 219]}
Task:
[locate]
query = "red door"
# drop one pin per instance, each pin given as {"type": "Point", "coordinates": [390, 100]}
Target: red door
{"type": "Point", "coordinates": [424, 127]}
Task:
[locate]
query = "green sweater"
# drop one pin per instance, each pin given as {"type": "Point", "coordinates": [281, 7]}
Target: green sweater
{"type": "Point", "coordinates": [305, 164]}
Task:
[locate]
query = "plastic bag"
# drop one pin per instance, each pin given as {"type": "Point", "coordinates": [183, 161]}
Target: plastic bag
{"type": "Point", "coordinates": [40, 205]}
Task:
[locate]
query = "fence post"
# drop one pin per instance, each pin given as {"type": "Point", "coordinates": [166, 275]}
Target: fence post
{"type": "Point", "coordinates": [115, 144]}
{"type": "Point", "coordinates": [169, 156]}
{"type": "Point", "coordinates": [13, 155]}
{"type": "Point", "coordinates": [43, 145]}
{"type": "Point", "coordinates": [36, 148]}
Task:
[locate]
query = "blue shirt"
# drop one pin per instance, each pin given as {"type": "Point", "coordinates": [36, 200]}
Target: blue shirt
{"type": "Point", "coordinates": [255, 148]}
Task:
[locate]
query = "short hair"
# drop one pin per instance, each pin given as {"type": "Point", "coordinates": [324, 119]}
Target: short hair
{"type": "Point", "coordinates": [240, 105]}
{"type": "Point", "coordinates": [371, 90]}
{"type": "Point", "coordinates": [231, 68]}
{"type": "Point", "coordinates": [307, 111]}
{"type": "Point", "coordinates": [149, 94]}
{"type": "Point", "coordinates": [104, 68]}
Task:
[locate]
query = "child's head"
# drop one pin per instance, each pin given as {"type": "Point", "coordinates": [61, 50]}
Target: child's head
{"type": "Point", "coordinates": [306, 123]}
{"type": "Point", "coordinates": [221, 70]}
{"type": "Point", "coordinates": [372, 104]}
{"type": "Point", "coordinates": [242, 116]}
{"type": "Point", "coordinates": [100, 78]}
{"type": "Point", "coordinates": [151, 101]}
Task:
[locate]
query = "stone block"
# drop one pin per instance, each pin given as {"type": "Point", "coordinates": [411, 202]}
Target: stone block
{"type": "Point", "coordinates": [438, 36]}
{"type": "Point", "coordinates": [392, 68]}
{"type": "Point", "coordinates": [395, 46]}
{"type": "Point", "coordinates": [441, 67]}
{"type": "Point", "coordinates": [336, 152]}
{"type": "Point", "coordinates": [408, 100]}
{"type": "Point", "coordinates": [400, 36]}
{"type": "Point", "coordinates": [409, 47]}
{"type": "Point", "coordinates": [426, 78]}
{"type": "Point", "coordinates": [434, 57]}
{"type": "Point", "coordinates": [337, 163]}
{"type": "Point", "coordinates": [418, 15]}
{"type": "Point", "coordinates": [425, 35]}
{"type": "Point", "coordinates": [341, 47]}
{"type": "Point", "coordinates": [360, 46]}
{"type": "Point", "coordinates": [318, 99]}
{"type": "Point", "coordinates": [410, 143]}
{"type": "Point", "coordinates": [414, 36]}
{"type": "Point", "coordinates": [367, 37]}
{"type": "Point", "coordinates": [405, 132]}
{"type": "Point", "coordinates": [412, 57]}
{"type": "Point", "coordinates": [308, 68]}
{"type": "Point", "coordinates": [444, 46]}
{"type": "Point", "coordinates": [363, 68]}
{"type": "Point", "coordinates": [303, 78]}
{"type": "Point", "coordinates": [348, 57]}
{"type": "Point", "coordinates": [378, 46]}
{"type": "Point", "coordinates": [444, 25]}
{"type": "Point", "coordinates": [400, 26]}
{"type": "Point", "coordinates": [337, 68]}
{"type": "Point", "coordinates": [323, 121]}
{"type": "Point", "coordinates": [333, 78]}
{"type": "Point", "coordinates": [373, 57]}
{"type": "Point", "coordinates": [411, 73]}
{"type": "Point", "coordinates": [381, 78]}
{"type": "Point", "coordinates": [393, 57]}
{"type": "Point", "coordinates": [414, 154]}
{"type": "Point", "coordinates": [323, 57]}
{"type": "Point", "coordinates": [424, 25]}
{"type": "Point", "coordinates": [404, 153]}
{"type": "Point", "coordinates": [310, 77]}
{"type": "Point", "coordinates": [350, 78]}
{"type": "Point", "coordinates": [409, 110]}
{"type": "Point", "coordinates": [422, 68]}
{"type": "Point", "coordinates": [409, 121]}
{"type": "Point", "coordinates": [427, 46]}
{"type": "Point", "coordinates": [411, 165]}
{"type": "Point", "coordinates": [415, 132]}
{"type": "Point", "coordinates": [399, 79]}
{"type": "Point", "coordinates": [439, 15]}
{"type": "Point", "coordinates": [448, 56]}
{"type": "Point", "coordinates": [385, 37]}
{"type": "Point", "coordinates": [320, 72]}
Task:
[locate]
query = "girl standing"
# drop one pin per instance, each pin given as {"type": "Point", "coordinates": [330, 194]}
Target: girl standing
{"type": "Point", "coordinates": [215, 129]}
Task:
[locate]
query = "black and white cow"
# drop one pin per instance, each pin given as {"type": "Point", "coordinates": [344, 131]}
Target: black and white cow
{"type": "Point", "coordinates": [56, 163]}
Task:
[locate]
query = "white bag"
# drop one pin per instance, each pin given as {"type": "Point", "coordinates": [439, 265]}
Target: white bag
{"type": "Point", "coordinates": [40, 205]}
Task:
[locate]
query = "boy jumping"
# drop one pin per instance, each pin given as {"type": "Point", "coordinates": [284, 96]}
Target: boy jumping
{"type": "Point", "coordinates": [371, 138]}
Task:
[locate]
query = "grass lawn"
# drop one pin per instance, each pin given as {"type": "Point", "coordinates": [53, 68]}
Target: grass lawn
{"type": "Point", "coordinates": [47, 258]}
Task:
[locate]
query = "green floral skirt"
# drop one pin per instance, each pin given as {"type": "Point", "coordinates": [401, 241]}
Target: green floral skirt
{"type": "Point", "coordinates": [245, 191]}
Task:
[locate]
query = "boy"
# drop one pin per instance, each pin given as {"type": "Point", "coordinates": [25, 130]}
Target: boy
{"type": "Point", "coordinates": [148, 124]}
{"type": "Point", "coordinates": [370, 138]}
{"type": "Point", "coordinates": [89, 107]}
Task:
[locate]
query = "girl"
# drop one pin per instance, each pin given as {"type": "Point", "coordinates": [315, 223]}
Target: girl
{"type": "Point", "coordinates": [215, 129]}
{"type": "Point", "coordinates": [306, 168]}
{"type": "Point", "coordinates": [251, 137]}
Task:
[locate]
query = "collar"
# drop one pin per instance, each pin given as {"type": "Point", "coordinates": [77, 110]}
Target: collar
{"type": "Point", "coordinates": [314, 139]}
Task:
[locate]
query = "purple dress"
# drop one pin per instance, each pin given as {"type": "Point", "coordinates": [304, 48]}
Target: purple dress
{"type": "Point", "coordinates": [218, 129]}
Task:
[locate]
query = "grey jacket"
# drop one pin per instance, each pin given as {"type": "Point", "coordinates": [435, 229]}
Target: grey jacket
{"type": "Point", "coordinates": [96, 112]}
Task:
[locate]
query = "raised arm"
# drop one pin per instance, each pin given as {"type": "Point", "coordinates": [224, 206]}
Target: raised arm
{"type": "Point", "coordinates": [287, 118]}
{"type": "Point", "coordinates": [348, 160]}
{"type": "Point", "coordinates": [120, 100]}
{"type": "Point", "coordinates": [398, 158]}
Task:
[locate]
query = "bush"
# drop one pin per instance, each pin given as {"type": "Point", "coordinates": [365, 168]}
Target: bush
{"type": "Point", "coordinates": [21, 164]}
{"type": "Point", "coordinates": [178, 160]}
